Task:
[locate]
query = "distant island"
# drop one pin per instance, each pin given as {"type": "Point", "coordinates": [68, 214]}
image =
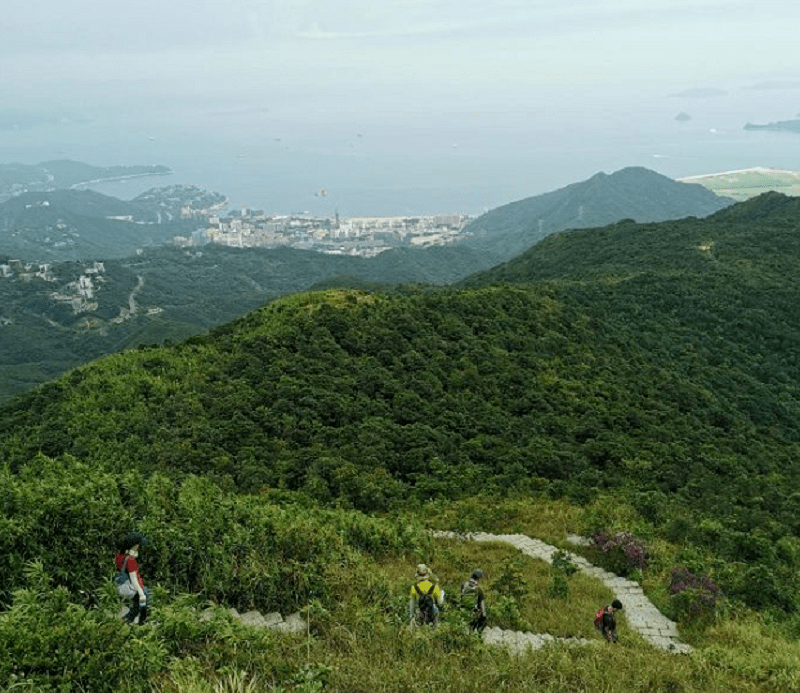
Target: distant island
{"type": "Point", "coordinates": [780, 126]}
{"type": "Point", "coordinates": [16, 178]}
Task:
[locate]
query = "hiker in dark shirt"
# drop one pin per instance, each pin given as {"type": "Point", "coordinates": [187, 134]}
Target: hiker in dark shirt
{"type": "Point", "coordinates": [472, 601]}
{"type": "Point", "coordinates": [608, 623]}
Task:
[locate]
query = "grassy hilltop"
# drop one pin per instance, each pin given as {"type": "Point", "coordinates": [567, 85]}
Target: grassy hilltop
{"type": "Point", "coordinates": [637, 377]}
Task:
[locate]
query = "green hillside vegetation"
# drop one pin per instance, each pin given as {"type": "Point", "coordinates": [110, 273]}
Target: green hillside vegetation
{"type": "Point", "coordinates": [638, 378]}
{"type": "Point", "coordinates": [63, 173]}
{"type": "Point", "coordinates": [633, 192]}
{"type": "Point", "coordinates": [68, 225]}
{"type": "Point", "coordinates": [172, 298]}
{"type": "Point", "coordinates": [42, 337]}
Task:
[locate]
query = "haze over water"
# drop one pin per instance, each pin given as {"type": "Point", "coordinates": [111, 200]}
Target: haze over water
{"type": "Point", "coordinates": [409, 107]}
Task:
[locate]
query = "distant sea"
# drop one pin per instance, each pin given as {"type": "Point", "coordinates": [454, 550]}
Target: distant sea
{"type": "Point", "coordinates": [415, 164]}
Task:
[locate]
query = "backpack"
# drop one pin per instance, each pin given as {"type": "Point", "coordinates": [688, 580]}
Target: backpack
{"type": "Point", "coordinates": [122, 581]}
{"type": "Point", "coordinates": [427, 609]}
{"type": "Point", "coordinates": [469, 597]}
{"type": "Point", "coordinates": [598, 618]}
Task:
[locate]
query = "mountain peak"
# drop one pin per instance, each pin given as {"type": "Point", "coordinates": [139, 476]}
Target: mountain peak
{"type": "Point", "coordinates": [629, 193]}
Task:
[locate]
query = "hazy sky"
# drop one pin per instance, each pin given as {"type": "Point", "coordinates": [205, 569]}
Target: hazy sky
{"type": "Point", "coordinates": [401, 105]}
{"type": "Point", "coordinates": [390, 56]}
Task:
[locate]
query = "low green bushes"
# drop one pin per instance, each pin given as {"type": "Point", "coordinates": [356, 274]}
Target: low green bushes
{"type": "Point", "coordinates": [244, 551]}
{"type": "Point", "coordinates": [50, 643]}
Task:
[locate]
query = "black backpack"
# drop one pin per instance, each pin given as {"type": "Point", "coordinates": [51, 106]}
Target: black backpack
{"type": "Point", "coordinates": [427, 609]}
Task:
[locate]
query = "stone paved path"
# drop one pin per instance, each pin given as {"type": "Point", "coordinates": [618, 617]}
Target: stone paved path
{"type": "Point", "coordinates": [293, 623]}
{"type": "Point", "coordinates": [640, 613]}
{"type": "Point", "coordinates": [519, 641]}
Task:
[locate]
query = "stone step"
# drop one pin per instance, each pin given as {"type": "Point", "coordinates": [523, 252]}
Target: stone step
{"type": "Point", "coordinates": [293, 623]}
{"type": "Point", "coordinates": [522, 641]}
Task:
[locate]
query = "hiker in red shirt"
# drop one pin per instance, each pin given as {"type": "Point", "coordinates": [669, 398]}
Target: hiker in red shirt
{"type": "Point", "coordinates": [606, 622]}
{"type": "Point", "coordinates": [126, 562]}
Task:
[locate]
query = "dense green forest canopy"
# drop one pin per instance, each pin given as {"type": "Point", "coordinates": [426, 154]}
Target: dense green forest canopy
{"type": "Point", "coordinates": [43, 334]}
{"type": "Point", "coordinates": [658, 360]}
{"type": "Point", "coordinates": [159, 294]}
{"type": "Point", "coordinates": [641, 376]}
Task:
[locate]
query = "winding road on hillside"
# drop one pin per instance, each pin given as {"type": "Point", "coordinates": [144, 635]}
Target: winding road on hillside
{"type": "Point", "coordinates": [130, 311]}
{"type": "Point", "coordinates": [640, 613]}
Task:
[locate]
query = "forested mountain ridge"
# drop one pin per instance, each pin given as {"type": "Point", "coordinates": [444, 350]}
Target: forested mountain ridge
{"type": "Point", "coordinates": [154, 206]}
{"type": "Point", "coordinates": [668, 376]}
{"type": "Point", "coordinates": [57, 315]}
{"type": "Point", "coordinates": [48, 314]}
{"type": "Point", "coordinates": [630, 193]}
{"type": "Point", "coordinates": [762, 231]}
{"type": "Point", "coordinates": [34, 230]}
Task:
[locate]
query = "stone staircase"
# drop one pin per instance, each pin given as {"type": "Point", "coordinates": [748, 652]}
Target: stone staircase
{"type": "Point", "coordinates": [520, 641]}
{"type": "Point", "coordinates": [293, 623]}
{"type": "Point", "coordinates": [640, 613]}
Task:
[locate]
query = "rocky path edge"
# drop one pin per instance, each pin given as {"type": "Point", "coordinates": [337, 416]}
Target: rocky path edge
{"type": "Point", "coordinates": [640, 613]}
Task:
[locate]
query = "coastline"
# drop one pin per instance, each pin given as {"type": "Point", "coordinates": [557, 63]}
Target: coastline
{"type": "Point", "coordinates": [753, 169]}
{"type": "Point", "coordinates": [112, 179]}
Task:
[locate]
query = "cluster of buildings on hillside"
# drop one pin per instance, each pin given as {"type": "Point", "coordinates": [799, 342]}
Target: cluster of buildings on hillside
{"type": "Point", "coordinates": [26, 271]}
{"type": "Point", "coordinates": [79, 294]}
{"type": "Point", "coordinates": [364, 236]}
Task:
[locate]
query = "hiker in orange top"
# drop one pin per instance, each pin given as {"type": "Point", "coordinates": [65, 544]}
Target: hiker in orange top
{"type": "Point", "coordinates": [426, 598]}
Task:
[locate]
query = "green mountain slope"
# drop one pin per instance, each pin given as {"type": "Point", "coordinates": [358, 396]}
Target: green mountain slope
{"type": "Point", "coordinates": [658, 361]}
{"type": "Point", "coordinates": [73, 312]}
{"type": "Point", "coordinates": [637, 377]}
{"type": "Point", "coordinates": [34, 230]}
{"type": "Point", "coordinates": [45, 313]}
{"type": "Point", "coordinates": [631, 193]}
{"type": "Point", "coordinates": [64, 225]}
{"type": "Point", "coordinates": [760, 232]}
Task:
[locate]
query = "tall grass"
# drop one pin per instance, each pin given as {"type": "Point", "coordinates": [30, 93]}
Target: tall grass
{"type": "Point", "coordinates": [359, 639]}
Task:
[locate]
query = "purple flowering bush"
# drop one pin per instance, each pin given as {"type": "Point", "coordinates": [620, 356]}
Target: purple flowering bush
{"type": "Point", "coordinates": [621, 553]}
{"type": "Point", "coordinates": [691, 596]}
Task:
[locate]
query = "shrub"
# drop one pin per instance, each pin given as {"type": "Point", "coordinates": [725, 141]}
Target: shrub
{"type": "Point", "coordinates": [511, 582]}
{"type": "Point", "coordinates": [692, 596]}
{"type": "Point", "coordinates": [505, 613]}
{"type": "Point", "coordinates": [562, 569]}
{"type": "Point", "coordinates": [621, 553]}
{"type": "Point", "coordinates": [50, 643]}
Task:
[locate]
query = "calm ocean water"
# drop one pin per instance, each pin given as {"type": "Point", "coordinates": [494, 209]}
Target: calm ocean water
{"type": "Point", "coordinates": [416, 164]}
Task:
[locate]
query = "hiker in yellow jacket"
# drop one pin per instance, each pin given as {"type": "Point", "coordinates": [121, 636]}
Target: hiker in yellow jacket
{"type": "Point", "coordinates": [426, 598]}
